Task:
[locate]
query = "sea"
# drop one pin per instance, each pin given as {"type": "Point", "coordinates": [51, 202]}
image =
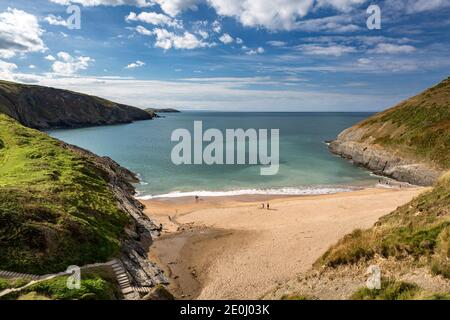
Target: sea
{"type": "Point", "coordinates": [306, 165]}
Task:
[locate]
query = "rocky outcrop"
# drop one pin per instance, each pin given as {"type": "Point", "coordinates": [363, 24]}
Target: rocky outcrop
{"type": "Point", "coordinates": [45, 108]}
{"type": "Point", "coordinates": [141, 232]}
{"type": "Point", "coordinates": [382, 161]}
{"type": "Point", "coordinates": [408, 142]}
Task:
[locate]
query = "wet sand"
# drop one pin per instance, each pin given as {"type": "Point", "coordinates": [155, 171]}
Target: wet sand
{"type": "Point", "coordinates": [230, 248]}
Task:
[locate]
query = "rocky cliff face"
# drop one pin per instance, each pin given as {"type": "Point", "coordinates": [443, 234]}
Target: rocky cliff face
{"type": "Point", "coordinates": [384, 162]}
{"type": "Point", "coordinates": [138, 235]}
{"type": "Point", "coordinates": [44, 108]}
{"type": "Point", "coordinates": [409, 142]}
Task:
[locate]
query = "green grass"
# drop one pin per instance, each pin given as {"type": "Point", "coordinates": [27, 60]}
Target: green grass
{"type": "Point", "coordinates": [92, 288]}
{"type": "Point", "coordinates": [419, 229]}
{"type": "Point", "coordinates": [418, 127]}
{"type": "Point", "coordinates": [397, 290]}
{"type": "Point", "coordinates": [390, 290]}
{"type": "Point", "coordinates": [12, 283]}
{"type": "Point", "coordinates": [56, 208]}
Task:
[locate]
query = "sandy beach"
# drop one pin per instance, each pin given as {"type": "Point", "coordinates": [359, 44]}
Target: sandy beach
{"type": "Point", "coordinates": [230, 248]}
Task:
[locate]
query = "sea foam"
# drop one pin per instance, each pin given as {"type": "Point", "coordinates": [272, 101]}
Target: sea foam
{"type": "Point", "coordinates": [280, 191]}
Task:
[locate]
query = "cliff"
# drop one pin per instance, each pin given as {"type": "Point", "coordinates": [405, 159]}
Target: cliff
{"type": "Point", "coordinates": [410, 247]}
{"type": "Point", "coordinates": [61, 205]}
{"type": "Point", "coordinates": [409, 142]}
{"type": "Point", "coordinates": [45, 108]}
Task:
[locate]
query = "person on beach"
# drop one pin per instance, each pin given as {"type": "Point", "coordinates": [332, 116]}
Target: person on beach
{"type": "Point", "coordinates": [196, 198]}
{"type": "Point", "coordinates": [263, 206]}
{"type": "Point", "coordinates": [268, 208]}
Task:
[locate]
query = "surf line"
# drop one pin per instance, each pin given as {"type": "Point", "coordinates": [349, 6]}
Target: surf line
{"type": "Point", "coordinates": [229, 151]}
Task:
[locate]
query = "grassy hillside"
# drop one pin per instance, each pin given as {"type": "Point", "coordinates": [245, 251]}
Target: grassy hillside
{"type": "Point", "coordinates": [418, 230]}
{"type": "Point", "coordinates": [56, 208]}
{"type": "Point", "coordinates": [418, 127]}
{"type": "Point", "coordinates": [44, 107]}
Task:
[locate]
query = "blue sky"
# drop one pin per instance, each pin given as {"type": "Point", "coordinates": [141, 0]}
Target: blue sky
{"type": "Point", "coordinates": [230, 55]}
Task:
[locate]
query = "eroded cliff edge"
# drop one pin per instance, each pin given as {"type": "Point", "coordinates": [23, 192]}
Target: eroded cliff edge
{"type": "Point", "coordinates": [409, 142]}
{"type": "Point", "coordinates": [41, 107]}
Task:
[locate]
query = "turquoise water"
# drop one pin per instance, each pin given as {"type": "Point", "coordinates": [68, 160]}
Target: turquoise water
{"type": "Point", "coordinates": [306, 165]}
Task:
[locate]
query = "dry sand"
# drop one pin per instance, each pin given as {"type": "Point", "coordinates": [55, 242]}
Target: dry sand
{"type": "Point", "coordinates": [230, 248]}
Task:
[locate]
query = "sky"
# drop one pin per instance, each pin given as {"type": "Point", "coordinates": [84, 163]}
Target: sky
{"type": "Point", "coordinates": [229, 55]}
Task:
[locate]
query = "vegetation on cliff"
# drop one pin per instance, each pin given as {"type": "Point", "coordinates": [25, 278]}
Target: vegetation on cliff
{"type": "Point", "coordinates": [44, 108]}
{"type": "Point", "coordinates": [56, 206]}
{"type": "Point", "coordinates": [418, 127]}
{"type": "Point", "coordinates": [92, 287]}
{"type": "Point", "coordinates": [419, 230]}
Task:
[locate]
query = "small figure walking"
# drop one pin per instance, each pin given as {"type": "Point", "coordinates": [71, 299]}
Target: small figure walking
{"type": "Point", "coordinates": [196, 198]}
{"type": "Point", "coordinates": [263, 205]}
{"type": "Point", "coordinates": [268, 207]}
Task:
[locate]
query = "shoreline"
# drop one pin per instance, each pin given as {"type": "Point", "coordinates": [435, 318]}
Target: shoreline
{"type": "Point", "coordinates": [229, 248]}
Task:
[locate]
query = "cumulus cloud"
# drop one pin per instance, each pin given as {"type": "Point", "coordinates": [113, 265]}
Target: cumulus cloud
{"type": "Point", "coordinates": [144, 31]}
{"type": "Point", "coordinates": [226, 38]}
{"type": "Point", "coordinates": [69, 65]}
{"type": "Point", "coordinates": [50, 58]}
{"type": "Point", "coordinates": [275, 43]}
{"type": "Point", "coordinates": [135, 65]}
{"type": "Point", "coordinates": [319, 50]}
{"type": "Point", "coordinates": [416, 6]}
{"type": "Point", "coordinates": [6, 70]}
{"type": "Point", "coordinates": [20, 33]}
{"type": "Point", "coordinates": [174, 7]}
{"type": "Point", "coordinates": [93, 3]}
{"type": "Point", "coordinates": [389, 48]}
{"type": "Point", "coordinates": [271, 14]}
{"type": "Point", "coordinates": [167, 40]}
{"type": "Point", "coordinates": [216, 27]}
{"type": "Point", "coordinates": [338, 23]}
{"type": "Point", "coordinates": [55, 20]}
{"type": "Point", "coordinates": [256, 51]}
{"type": "Point", "coordinates": [153, 18]}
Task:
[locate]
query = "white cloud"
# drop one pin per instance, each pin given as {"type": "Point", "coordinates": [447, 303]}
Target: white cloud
{"type": "Point", "coordinates": [271, 14]}
{"type": "Point", "coordinates": [135, 65]}
{"type": "Point", "coordinates": [32, 66]}
{"type": "Point", "coordinates": [55, 20]}
{"type": "Point", "coordinates": [153, 18]}
{"type": "Point", "coordinates": [275, 43]}
{"type": "Point", "coordinates": [93, 3]}
{"type": "Point", "coordinates": [143, 31]}
{"type": "Point", "coordinates": [6, 53]}
{"type": "Point", "coordinates": [50, 58]}
{"type": "Point", "coordinates": [388, 48]}
{"type": "Point", "coordinates": [6, 70]}
{"type": "Point", "coordinates": [20, 33]}
{"type": "Point", "coordinates": [253, 52]}
{"type": "Point", "coordinates": [219, 94]}
{"type": "Point", "coordinates": [174, 7]}
{"type": "Point", "coordinates": [239, 41]}
{"type": "Point", "coordinates": [416, 6]}
{"type": "Point", "coordinates": [339, 24]}
{"type": "Point", "coordinates": [68, 65]}
{"type": "Point", "coordinates": [226, 38]}
{"type": "Point", "coordinates": [332, 50]}
{"type": "Point", "coordinates": [216, 26]}
{"type": "Point", "coordinates": [341, 5]}
{"type": "Point", "coordinates": [167, 40]}
{"type": "Point", "coordinates": [203, 34]}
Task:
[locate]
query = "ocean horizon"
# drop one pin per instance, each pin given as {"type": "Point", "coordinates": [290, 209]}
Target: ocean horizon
{"type": "Point", "coordinates": [306, 165]}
